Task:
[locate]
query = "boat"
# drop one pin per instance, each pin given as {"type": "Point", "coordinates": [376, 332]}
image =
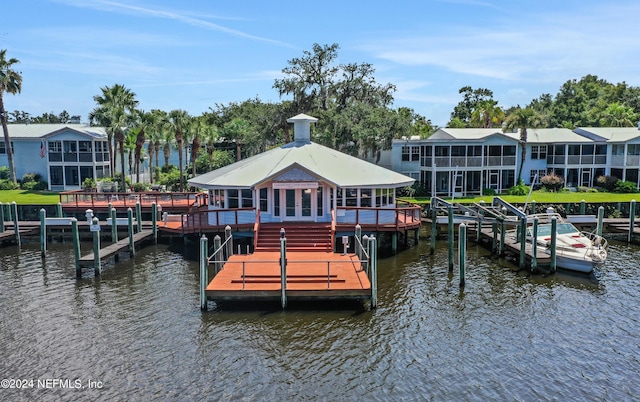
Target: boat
{"type": "Point", "coordinates": [575, 250]}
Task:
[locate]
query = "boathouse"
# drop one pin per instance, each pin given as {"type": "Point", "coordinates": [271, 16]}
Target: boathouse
{"type": "Point", "coordinates": [304, 184]}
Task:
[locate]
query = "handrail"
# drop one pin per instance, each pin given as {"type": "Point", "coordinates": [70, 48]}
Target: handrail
{"type": "Point", "coordinates": [222, 247]}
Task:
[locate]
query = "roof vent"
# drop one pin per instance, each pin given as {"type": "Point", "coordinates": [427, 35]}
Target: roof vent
{"type": "Point", "coordinates": [302, 127]}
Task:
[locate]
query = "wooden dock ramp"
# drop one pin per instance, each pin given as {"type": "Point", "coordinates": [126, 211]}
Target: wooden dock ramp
{"type": "Point", "coordinates": [113, 250]}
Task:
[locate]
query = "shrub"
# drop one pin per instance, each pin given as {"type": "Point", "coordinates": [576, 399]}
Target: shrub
{"type": "Point", "coordinates": [488, 191]}
{"type": "Point", "coordinates": [607, 182]}
{"type": "Point", "coordinates": [88, 183]}
{"type": "Point", "coordinates": [583, 189]}
{"type": "Point", "coordinates": [8, 185]}
{"type": "Point", "coordinates": [552, 182]}
{"type": "Point", "coordinates": [139, 187]}
{"type": "Point", "coordinates": [33, 182]}
{"type": "Point", "coordinates": [625, 187]}
{"type": "Point", "coordinates": [5, 173]}
{"type": "Point", "coordinates": [519, 189]}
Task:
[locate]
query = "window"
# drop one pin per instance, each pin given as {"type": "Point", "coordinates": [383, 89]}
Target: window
{"type": "Point", "coordinates": [382, 196]}
{"type": "Point", "coordinates": [55, 151]}
{"type": "Point", "coordinates": [70, 151]}
{"type": "Point", "coordinates": [365, 197]}
{"type": "Point", "coordinates": [85, 151]}
{"type": "Point", "coordinates": [232, 199]}
{"type": "Point", "coordinates": [216, 198]}
{"type": "Point", "coordinates": [86, 172]}
{"type": "Point", "coordinates": [540, 173]}
{"type": "Point", "coordinates": [71, 177]}
{"type": "Point", "coordinates": [339, 199]}
{"type": "Point", "coordinates": [276, 202]}
{"type": "Point", "coordinates": [56, 176]}
{"type": "Point", "coordinates": [264, 202]}
{"type": "Point", "coordinates": [247, 198]}
{"type": "Point", "coordinates": [458, 150]}
{"type": "Point", "coordinates": [319, 201]}
{"type": "Point", "coordinates": [3, 147]}
{"type": "Point", "coordinates": [351, 197]}
{"type": "Point", "coordinates": [410, 153]}
{"type": "Point", "coordinates": [539, 152]}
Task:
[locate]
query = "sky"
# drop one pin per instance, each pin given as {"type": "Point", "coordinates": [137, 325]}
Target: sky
{"type": "Point", "coordinates": [194, 54]}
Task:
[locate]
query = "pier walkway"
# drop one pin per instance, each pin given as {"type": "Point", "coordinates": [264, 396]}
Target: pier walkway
{"type": "Point", "coordinates": [113, 250]}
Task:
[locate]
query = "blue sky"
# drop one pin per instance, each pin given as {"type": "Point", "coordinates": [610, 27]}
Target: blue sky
{"type": "Point", "coordinates": [192, 54]}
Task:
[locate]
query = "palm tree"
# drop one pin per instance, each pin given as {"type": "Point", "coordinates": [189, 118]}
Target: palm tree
{"type": "Point", "coordinates": [487, 115]}
{"type": "Point", "coordinates": [211, 136]}
{"type": "Point", "coordinates": [522, 119]}
{"type": "Point", "coordinates": [236, 130]}
{"type": "Point", "coordinates": [199, 130]}
{"type": "Point", "coordinates": [114, 105]}
{"type": "Point", "coordinates": [130, 145]}
{"type": "Point", "coordinates": [11, 83]}
{"type": "Point", "coordinates": [178, 123]}
{"type": "Point", "coordinates": [618, 115]}
{"type": "Point", "coordinates": [167, 140]}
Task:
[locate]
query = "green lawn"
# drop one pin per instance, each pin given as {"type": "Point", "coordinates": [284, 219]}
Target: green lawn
{"type": "Point", "coordinates": [29, 197]}
{"type": "Point", "coordinates": [542, 197]}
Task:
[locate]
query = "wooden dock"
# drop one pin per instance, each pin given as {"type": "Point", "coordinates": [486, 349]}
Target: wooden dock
{"type": "Point", "coordinates": [113, 250]}
{"type": "Point", "coordinates": [310, 275]}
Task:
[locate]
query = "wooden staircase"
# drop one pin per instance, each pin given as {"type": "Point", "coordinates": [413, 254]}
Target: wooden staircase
{"type": "Point", "coordinates": [306, 237]}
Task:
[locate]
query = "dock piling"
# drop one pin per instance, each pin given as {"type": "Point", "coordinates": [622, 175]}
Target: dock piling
{"type": "Point", "coordinates": [523, 242]}
{"type": "Point", "coordinates": [554, 235]}
{"type": "Point", "coordinates": [97, 266]}
{"type": "Point", "coordinates": [434, 227]}
{"type": "Point", "coordinates": [154, 221]}
{"type": "Point", "coordinates": [283, 268]}
{"type": "Point", "coordinates": [204, 275]}
{"type": "Point", "coordinates": [138, 217]}
{"type": "Point", "coordinates": [217, 242]}
{"type": "Point", "coordinates": [462, 249]}
{"type": "Point", "coordinates": [59, 210]}
{"type": "Point", "coordinates": [632, 219]}
{"type": "Point", "coordinates": [450, 237]}
{"type": "Point", "coordinates": [227, 235]}
{"type": "Point", "coordinates": [132, 246]}
{"type": "Point", "coordinates": [583, 207]}
{"type": "Point", "coordinates": [600, 218]}
{"type": "Point", "coordinates": [114, 226]}
{"type": "Point", "coordinates": [357, 245]}
{"type": "Point", "coordinates": [43, 232]}
{"type": "Point", "coordinates": [1, 217]}
{"type": "Point", "coordinates": [373, 257]}
{"type": "Point", "coordinates": [16, 226]}
{"type": "Point", "coordinates": [534, 245]}
{"type": "Point", "coordinates": [76, 246]}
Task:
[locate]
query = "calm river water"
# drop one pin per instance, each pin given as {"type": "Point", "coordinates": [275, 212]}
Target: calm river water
{"type": "Point", "coordinates": [137, 333]}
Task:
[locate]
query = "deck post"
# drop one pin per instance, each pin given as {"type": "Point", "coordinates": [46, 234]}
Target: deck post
{"type": "Point", "coordinates": [434, 227]}
{"type": "Point", "coordinates": [600, 218]}
{"type": "Point", "coordinates": [534, 245]}
{"type": "Point", "coordinates": [16, 223]}
{"type": "Point", "coordinates": [283, 268]}
{"type": "Point", "coordinates": [204, 274]}
{"type": "Point", "coordinates": [523, 242]}
{"type": "Point", "coordinates": [358, 239]}
{"type": "Point", "coordinates": [494, 240]}
{"type": "Point", "coordinates": [76, 246]}
{"type": "Point", "coordinates": [554, 235]}
{"type": "Point", "coordinates": [132, 246]}
{"type": "Point", "coordinates": [154, 221]}
{"type": "Point", "coordinates": [59, 210]}
{"type": "Point", "coordinates": [503, 226]}
{"type": "Point", "coordinates": [450, 237]}
{"type": "Point", "coordinates": [138, 217]}
{"type": "Point", "coordinates": [217, 242]}
{"type": "Point", "coordinates": [43, 232]}
{"type": "Point", "coordinates": [462, 249]}
{"type": "Point", "coordinates": [632, 219]}
{"type": "Point", "coordinates": [114, 226]}
{"type": "Point", "coordinates": [97, 265]}
{"type": "Point", "coordinates": [394, 243]}
{"type": "Point", "coordinates": [227, 235]}
{"type": "Point", "coordinates": [374, 271]}
{"type": "Point", "coordinates": [1, 217]}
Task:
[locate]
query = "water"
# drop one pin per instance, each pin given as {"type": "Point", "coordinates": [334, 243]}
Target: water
{"type": "Point", "coordinates": [139, 334]}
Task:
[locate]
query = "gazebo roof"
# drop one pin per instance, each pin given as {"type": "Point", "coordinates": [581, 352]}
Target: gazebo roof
{"type": "Point", "coordinates": [301, 160]}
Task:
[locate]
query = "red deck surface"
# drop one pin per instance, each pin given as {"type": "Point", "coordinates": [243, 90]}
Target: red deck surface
{"type": "Point", "coordinates": [309, 273]}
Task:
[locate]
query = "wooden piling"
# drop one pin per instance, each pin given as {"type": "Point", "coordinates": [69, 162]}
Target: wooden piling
{"type": "Point", "coordinates": [227, 236]}
{"type": "Point", "coordinates": [450, 237]}
{"type": "Point", "coordinates": [283, 269]}
{"type": "Point", "coordinates": [217, 243]}
{"type": "Point", "coordinates": [632, 220]}
{"type": "Point", "coordinates": [59, 210]}
{"type": "Point", "coordinates": [138, 217]}
{"type": "Point", "coordinates": [1, 217]}
{"type": "Point", "coordinates": [462, 249]}
{"type": "Point", "coordinates": [76, 246]}
{"type": "Point", "coordinates": [154, 221]}
{"type": "Point", "coordinates": [358, 238]}
{"type": "Point", "coordinates": [204, 275]}
{"type": "Point", "coordinates": [534, 245]}
{"type": "Point", "coordinates": [16, 224]}
{"type": "Point", "coordinates": [114, 225]}
{"type": "Point", "coordinates": [583, 207]}
{"type": "Point", "coordinates": [132, 246]}
{"type": "Point", "coordinates": [97, 264]}
{"type": "Point", "coordinates": [434, 227]}
{"type": "Point", "coordinates": [374, 271]}
{"type": "Point", "coordinates": [523, 242]}
{"type": "Point", "coordinates": [43, 232]}
{"type": "Point", "coordinates": [554, 236]}
{"type": "Point", "coordinates": [600, 218]}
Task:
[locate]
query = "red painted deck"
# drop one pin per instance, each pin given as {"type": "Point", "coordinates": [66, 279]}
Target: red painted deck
{"type": "Point", "coordinates": [309, 275]}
